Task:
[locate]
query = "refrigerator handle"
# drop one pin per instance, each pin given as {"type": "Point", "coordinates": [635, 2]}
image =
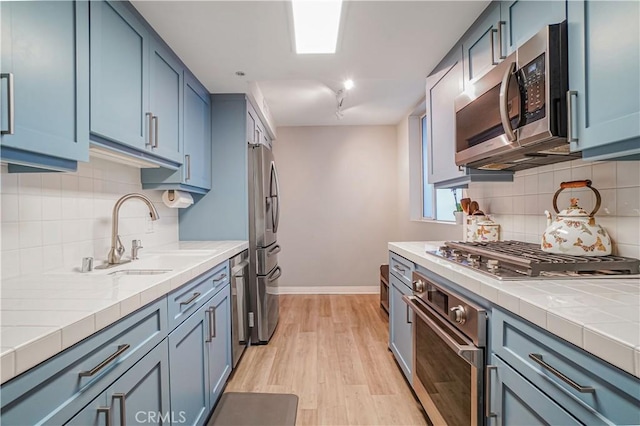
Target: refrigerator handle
{"type": "Point", "coordinates": [276, 197]}
{"type": "Point", "coordinates": [275, 274]}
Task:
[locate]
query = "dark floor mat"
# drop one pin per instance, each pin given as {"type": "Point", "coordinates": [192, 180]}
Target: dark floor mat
{"type": "Point", "coordinates": [255, 409]}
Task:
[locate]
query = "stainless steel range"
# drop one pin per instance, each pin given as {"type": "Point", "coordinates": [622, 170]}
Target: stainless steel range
{"type": "Point", "coordinates": [516, 260]}
{"type": "Point", "coordinates": [449, 341]}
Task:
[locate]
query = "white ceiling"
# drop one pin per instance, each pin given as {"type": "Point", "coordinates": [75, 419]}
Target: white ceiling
{"type": "Point", "coordinates": [386, 47]}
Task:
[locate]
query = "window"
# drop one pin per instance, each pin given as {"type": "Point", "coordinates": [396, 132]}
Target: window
{"type": "Point", "coordinates": [438, 204]}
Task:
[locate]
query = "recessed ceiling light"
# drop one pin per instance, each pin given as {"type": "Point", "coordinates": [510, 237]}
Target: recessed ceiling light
{"type": "Point", "coordinates": [240, 73]}
{"type": "Point", "coordinates": [348, 84]}
{"type": "Point", "coordinates": [316, 24]}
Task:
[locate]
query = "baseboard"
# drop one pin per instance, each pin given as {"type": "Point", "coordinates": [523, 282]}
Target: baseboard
{"type": "Point", "coordinates": [365, 289]}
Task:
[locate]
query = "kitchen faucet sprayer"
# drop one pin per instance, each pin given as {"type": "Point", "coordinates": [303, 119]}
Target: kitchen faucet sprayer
{"type": "Point", "coordinates": [117, 249]}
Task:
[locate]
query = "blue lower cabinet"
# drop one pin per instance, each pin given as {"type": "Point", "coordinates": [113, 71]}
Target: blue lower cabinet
{"type": "Point", "coordinates": [141, 395]}
{"type": "Point", "coordinates": [219, 346]}
{"type": "Point", "coordinates": [45, 84]}
{"type": "Point", "coordinates": [595, 391]}
{"type": "Point", "coordinates": [514, 401]}
{"type": "Point", "coordinates": [189, 367]}
{"type": "Point", "coordinates": [400, 326]}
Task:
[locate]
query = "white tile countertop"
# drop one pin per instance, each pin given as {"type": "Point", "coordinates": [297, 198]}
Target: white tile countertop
{"type": "Point", "coordinates": [601, 316]}
{"type": "Point", "coordinates": [43, 314]}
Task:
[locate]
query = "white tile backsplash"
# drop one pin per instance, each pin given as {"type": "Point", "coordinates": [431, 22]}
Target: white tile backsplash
{"type": "Point", "coordinates": [519, 206]}
{"type": "Point", "coordinates": [51, 221]}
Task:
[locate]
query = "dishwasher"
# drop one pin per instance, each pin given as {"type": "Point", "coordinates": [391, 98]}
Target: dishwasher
{"type": "Point", "coordinates": [240, 334]}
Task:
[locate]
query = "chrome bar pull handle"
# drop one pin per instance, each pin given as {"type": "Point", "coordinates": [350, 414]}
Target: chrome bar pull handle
{"type": "Point", "coordinates": [487, 391]}
{"type": "Point", "coordinates": [399, 269]}
{"type": "Point", "coordinates": [493, 46]}
{"type": "Point", "coordinates": [155, 131]}
{"type": "Point", "coordinates": [10, 105]}
{"type": "Point", "coordinates": [220, 278]}
{"type": "Point", "coordinates": [213, 321]}
{"type": "Point", "coordinates": [150, 125]}
{"type": "Point", "coordinates": [207, 314]}
{"type": "Point", "coordinates": [408, 315]}
{"type": "Point", "coordinates": [107, 414]}
{"type": "Point", "coordinates": [187, 159]}
{"type": "Point", "coordinates": [571, 94]}
{"type": "Point", "coordinates": [123, 407]}
{"type": "Point", "coordinates": [582, 389]}
{"type": "Point", "coordinates": [501, 55]}
{"type": "Point", "coordinates": [191, 299]}
{"type": "Point", "coordinates": [110, 358]}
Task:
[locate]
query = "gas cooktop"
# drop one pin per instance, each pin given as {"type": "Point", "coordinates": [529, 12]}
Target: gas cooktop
{"type": "Point", "coordinates": [516, 260]}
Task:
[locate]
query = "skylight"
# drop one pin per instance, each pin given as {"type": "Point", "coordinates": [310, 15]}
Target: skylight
{"type": "Point", "coordinates": [316, 24]}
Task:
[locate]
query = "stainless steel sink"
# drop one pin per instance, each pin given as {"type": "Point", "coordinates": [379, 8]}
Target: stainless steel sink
{"type": "Point", "coordinates": [140, 272]}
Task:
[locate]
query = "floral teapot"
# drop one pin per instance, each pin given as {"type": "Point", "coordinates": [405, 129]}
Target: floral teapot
{"type": "Point", "coordinates": [574, 231]}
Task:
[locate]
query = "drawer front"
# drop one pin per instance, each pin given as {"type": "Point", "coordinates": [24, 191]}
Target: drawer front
{"type": "Point", "coordinates": [57, 389]}
{"type": "Point", "coordinates": [515, 401]}
{"type": "Point", "coordinates": [401, 268]}
{"type": "Point", "coordinates": [187, 299]}
{"type": "Point", "coordinates": [267, 259]}
{"type": "Point", "coordinates": [614, 395]}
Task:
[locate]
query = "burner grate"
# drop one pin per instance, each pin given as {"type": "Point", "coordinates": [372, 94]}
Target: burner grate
{"type": "Point", "coordinates": [530, 258]}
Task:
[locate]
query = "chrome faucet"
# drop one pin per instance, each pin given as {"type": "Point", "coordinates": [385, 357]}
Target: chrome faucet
{"type": "Point", "coordinates": [117, 249]}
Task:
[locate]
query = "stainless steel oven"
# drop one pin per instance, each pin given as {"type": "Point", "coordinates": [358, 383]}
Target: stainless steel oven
{"type": "Point", "coordinates": [449, 340]}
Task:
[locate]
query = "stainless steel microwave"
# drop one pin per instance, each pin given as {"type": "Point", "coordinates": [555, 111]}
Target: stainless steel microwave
{"type": "Point", "coordinates": [515, 116]}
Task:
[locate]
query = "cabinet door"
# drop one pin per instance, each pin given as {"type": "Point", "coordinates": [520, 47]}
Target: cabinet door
{"type": "Point", "coordinates": [189, 386]}
{"type": "Point", "coordinates": [604, 71]}
{"type": "Point", "coordinates": [197, 134]}
{"type": "Point", "coordinates": [479, 49]}
{"type": "Point", "coordinates": [515, 401]}
{"type": "Point", "coordinates": [442, 89]}
{"type": "Point", "coordinates": [45, 52]}
{"type": "Point", "coordinates": [166, 101]}
{"type": "Point", "coordinates": [97, 413]}
{"type": "Point", "coordinates": [141, 395]}
{"type": "Point", "coordinates": [522, 19]}
{"type": "Point", "coordinates": [252, 126]}
{"type": "Point", "coordinates": [400, 326]}
{"type": "Point", "coordinates": [119, 75]}
{"type": "Point", "coordinates": [219, 315]}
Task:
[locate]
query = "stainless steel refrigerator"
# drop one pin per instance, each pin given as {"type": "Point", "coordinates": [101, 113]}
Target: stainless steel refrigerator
{"type": "Point", "coordinates": [264, 217]}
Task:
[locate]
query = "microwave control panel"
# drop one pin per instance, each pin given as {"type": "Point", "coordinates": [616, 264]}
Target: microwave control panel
{"type": "Point", "coordinates": [533, 78]}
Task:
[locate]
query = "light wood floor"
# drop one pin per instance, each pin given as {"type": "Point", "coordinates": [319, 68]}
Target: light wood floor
{"type": "Point", "coordinates": [331, 351]}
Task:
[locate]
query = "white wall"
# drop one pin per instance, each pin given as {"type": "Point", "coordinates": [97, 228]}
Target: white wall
{"type": "Point", "coordinates": [409, 187]}
{"type": "Point", "coordinates": [52, 220]}
{"type": "Point", "coordinates": [518, 206]}
{"type": "Point", "coordinates": [338, 188]}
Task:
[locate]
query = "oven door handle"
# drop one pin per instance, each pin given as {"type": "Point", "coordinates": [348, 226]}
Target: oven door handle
{"type": "Point", "coordinates": [468, 352]}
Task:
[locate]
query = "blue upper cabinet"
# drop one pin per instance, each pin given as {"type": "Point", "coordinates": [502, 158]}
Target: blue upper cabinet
{"type": "Point", "coordinates": [480, 47]}
{"type": "Point", "coordinates": [45, 83]}
{"type": "Point", "coordinates": [521, 19]}
{"type": "Point", "coordinates": [195, 173]}
{"type": "Point", "coordinates": [166, 101]}
{"type": "Point", "coordinates": [442, 88]}
{"type": "Point", "coordinates": [136, 87]}
{"type": "Point", "coordinates": [604, 78]}
{"type": "Point", "coordinates": [119, 76]}
{"type": "Point", "coordinates": [197, 134]}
